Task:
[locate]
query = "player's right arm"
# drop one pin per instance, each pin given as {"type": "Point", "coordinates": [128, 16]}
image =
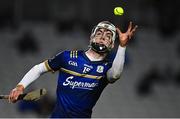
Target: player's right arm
{"type": "Point", "coordinates": [34, 73]}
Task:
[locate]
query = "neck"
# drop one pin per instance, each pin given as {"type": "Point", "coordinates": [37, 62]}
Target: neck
{"type": "Point", "coordinates": [92, 55]}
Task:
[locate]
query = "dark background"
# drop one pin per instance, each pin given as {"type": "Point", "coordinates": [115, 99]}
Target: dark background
{"type": "Point", "coordinates": [32, 31]}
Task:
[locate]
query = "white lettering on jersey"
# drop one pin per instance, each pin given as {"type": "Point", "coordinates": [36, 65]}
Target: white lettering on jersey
{"type": "Point", "coordinates": [73, 63]}
{"type": "Point", "coordinates": [81, 85]}
{"type": "Point", "coordinates": [89, 66]}
{"type": "Point", "coordinates": [86, 70]}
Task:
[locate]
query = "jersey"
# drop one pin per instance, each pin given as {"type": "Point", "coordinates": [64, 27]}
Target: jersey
{"type": "Point", "coordinates": [80, 83]}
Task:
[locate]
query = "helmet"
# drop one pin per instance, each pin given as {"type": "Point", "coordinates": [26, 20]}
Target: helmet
{"type": "Point", "coordinates": [100, 48]}
{"type": "Point", "coordinates": [107, 25]}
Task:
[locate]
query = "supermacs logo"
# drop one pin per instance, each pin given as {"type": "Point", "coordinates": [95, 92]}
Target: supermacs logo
{"type": "Point", "coordinates": [79, 84]}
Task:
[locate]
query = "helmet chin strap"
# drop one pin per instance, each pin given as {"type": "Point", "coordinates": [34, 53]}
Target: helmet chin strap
{"type": "Point", "coordinates": [99, 48]}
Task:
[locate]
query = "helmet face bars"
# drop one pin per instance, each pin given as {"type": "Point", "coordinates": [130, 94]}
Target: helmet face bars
{"type": "Point", "coordinates": [100, 48]}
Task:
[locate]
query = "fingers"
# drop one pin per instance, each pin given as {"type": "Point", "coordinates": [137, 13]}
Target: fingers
{"type": "Point", "coordinates": [133, 30]}
{"type": "Point", "coordinates": [130, 26]}
{"type": "Point", "coordinates": [118, 30]}
{"type": "Point", "coordinates": [13, 96]}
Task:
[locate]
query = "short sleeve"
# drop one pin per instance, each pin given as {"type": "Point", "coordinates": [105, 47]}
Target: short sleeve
{"type": "Point", "coordinates": [55, 63]}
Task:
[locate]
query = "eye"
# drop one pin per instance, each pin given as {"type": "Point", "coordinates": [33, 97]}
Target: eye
{"type": "Point", "coordinates": [109, 36]}
{"type": "Point", "coordinates": [98, 33]}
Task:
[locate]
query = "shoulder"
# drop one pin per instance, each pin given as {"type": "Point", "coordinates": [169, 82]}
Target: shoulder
{"type": "Point", "coordinates": [63, 53]}
{"type": "Point", "coordinates": [74, 53]}
{"type": "Point", "coordinates": [70, 53]}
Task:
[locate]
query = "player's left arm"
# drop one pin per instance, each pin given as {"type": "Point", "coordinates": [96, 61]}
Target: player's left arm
{"type": "Point", "coordinates": [115, 71]}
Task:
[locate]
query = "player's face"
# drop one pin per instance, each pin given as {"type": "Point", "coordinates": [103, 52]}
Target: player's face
{"type": "Point", "coordinates": [103, 36]}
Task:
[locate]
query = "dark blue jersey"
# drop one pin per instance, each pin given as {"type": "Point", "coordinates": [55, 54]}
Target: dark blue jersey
{"type": "Point", "coordinates": [80, 83]}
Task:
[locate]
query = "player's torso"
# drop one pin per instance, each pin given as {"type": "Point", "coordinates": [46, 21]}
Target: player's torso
{"type": "Point", "coordinates": [78, 72]}
{"type": "Point", "coordinates": [81, 81]}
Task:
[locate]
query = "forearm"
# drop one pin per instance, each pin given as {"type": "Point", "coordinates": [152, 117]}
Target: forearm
{"type": "Point", "coordinates": [115, 71]}
{"type": "Point", "coordinates": [33, 74]}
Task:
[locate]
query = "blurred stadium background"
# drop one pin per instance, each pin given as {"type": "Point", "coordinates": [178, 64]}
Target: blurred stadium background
{"type": "Point", "coordinates": [32, 31]}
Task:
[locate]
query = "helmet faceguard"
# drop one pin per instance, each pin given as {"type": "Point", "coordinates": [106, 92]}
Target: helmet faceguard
{"type": "Point", "coordinates": [100, 48]}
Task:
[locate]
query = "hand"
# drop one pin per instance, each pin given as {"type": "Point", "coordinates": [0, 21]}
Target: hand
{"type": "Point", "coordinates": [125, 37]}
{"type": "Point", "coordinates": [14, 94]}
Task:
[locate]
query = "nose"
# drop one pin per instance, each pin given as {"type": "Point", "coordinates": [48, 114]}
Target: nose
{"type": "Point", "coordinates": [102, 37]}
{"type": "Point", "coordinates": [101, 41]}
